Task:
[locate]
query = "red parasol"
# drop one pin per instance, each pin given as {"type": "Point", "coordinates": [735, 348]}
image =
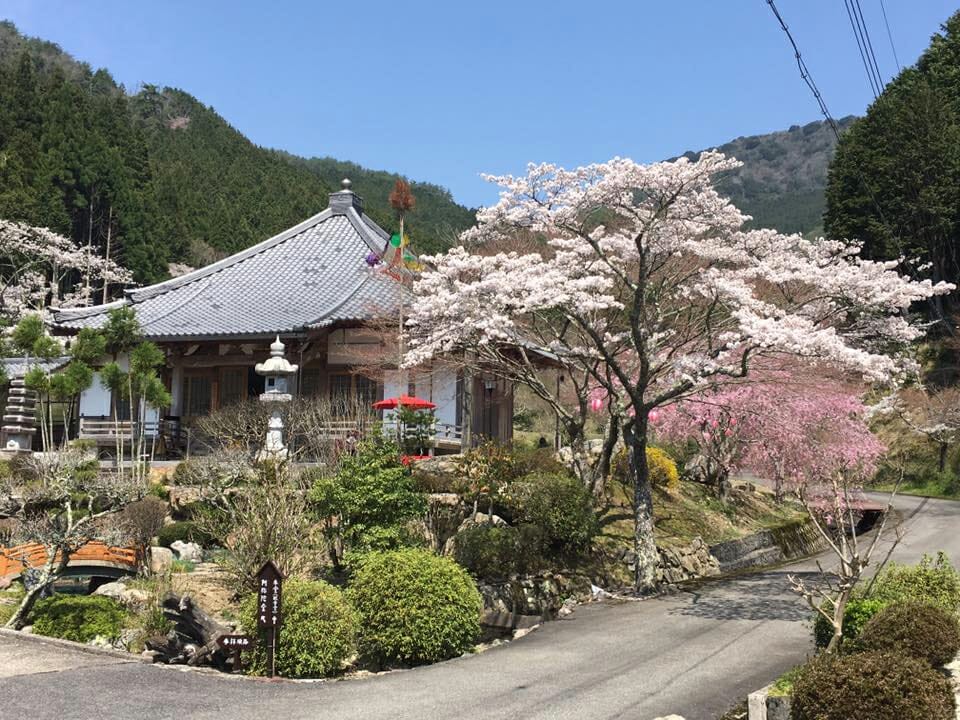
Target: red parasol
{"type": "Point", "coordinates": [408, 401]}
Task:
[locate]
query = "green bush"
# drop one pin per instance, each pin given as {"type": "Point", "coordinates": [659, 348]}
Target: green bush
{"type": "Point", "coordinates": [185, 530]}
{"type": "Point", "coordinates": [490, 552]}
{"type": "Point", "coordinates": [78, 617]}
{"type": "Point", "coordinates": [318, 635]}
{"type": "Point", "coordinates": [933, 581]}
{"type": "Point", "coordinates": [871, 686]}
{"type": "Point", "coordinates": [371, 501]}
{"type": "Point", "coordinates": [559, 505]}
{"type": "Point", "coordinates": [414, 607]}
{"type": "Point", "coordinates": [921, 631]}
{"type": "Point", "coordinates": [855, 615]}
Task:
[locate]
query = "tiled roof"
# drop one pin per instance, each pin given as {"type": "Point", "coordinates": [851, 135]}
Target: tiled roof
{"type": "Point", "coordinates": [17, 367]}
{"type": "Point", "coordinates": [311, 275]}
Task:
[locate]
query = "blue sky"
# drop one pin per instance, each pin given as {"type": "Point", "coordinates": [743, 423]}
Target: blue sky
{"type": "Point", "coordinates": [445, 90]}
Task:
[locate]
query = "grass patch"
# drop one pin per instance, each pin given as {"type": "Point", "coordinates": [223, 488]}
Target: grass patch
{"type": "Point", "coordinates": [783, 685]}
{"type": "Point", "coordinates": [10, 601]}
{"type": "Point", "coordinates": [182, 566]}
{"type": "Point", "coordinates": [945, 486]}
{"type": "Point", "coordinates": [693, 510]}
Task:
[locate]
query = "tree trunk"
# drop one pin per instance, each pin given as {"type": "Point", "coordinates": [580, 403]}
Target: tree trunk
{"type": "Point", "coordinates": [107, 255]}
{"type": "Point", "coordinates": [645, 579]}
{"type": "Point", "coordinates": [602, 470]}
{"type": "Point", "coordinates": [839, 608]}
{"type": "Point", "coordinates": [942, 457]}
{"type": "Point", "coordinates": [52, 569]}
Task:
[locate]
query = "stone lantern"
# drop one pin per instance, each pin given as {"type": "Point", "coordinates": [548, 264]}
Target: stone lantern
{"type": "Point", "coordinates": [276, 370]}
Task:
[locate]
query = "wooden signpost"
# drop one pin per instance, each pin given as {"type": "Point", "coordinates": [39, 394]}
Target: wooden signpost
{"type": "Point", "coordinates": [236, 644]}
{"type": "Point", "coordinates": [269, 588]}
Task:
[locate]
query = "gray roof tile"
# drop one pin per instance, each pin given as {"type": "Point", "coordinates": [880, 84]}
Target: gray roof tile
{"type": "Point", "coordinates": [311, 275]}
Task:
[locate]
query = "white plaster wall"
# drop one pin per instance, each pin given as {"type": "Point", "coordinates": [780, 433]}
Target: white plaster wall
{"type": "Point", "coordinates": [176, 391]}
{"type": "Point", "coordinates": [95, 400]}
{"type": "Point", "coordinates": [445, 395]}
{"type": "Point", "coordinates": [391, 384]}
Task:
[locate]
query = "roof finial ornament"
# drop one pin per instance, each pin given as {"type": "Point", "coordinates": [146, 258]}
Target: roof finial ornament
{"type": "Point", "coordinates": [345, 183]}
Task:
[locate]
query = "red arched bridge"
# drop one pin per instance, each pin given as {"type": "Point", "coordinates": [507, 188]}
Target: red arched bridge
{"type": "Point", "coordinates": [94, 558]}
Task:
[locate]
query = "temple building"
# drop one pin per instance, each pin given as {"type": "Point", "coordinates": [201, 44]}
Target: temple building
{"type": "Point", "coordinates": [315, 286]}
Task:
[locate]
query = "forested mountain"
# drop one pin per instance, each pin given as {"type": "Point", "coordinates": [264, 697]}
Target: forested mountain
{"type": "Point", "coordinates": [157, 176]}
{"type": "Point", "coordinates": [784, 174]}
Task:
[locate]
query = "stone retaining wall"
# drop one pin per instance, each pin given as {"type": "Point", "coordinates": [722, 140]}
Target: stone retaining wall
{"type": "Point", "coordinates": [768, 547]}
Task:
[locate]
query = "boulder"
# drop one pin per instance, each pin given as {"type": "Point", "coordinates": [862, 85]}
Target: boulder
{"type": "Point", "coordinates": [112, 590]}
{"type": "Point", "coordinates": [187, 551]}
{"type": "Point", "coordinates": [183, 495]}
{"type": "Point", "coordinates": [161, 559]}
{"type": "Point", "coordinates": [134, 598]}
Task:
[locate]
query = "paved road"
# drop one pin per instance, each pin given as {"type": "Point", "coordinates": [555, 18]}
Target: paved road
{"type": "Point", "coordinates": [694, 653]}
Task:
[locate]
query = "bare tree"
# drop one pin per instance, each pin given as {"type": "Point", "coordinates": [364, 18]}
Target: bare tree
{"type": "Point", "coordinates": [836, 510]}
{"type": "Point", "coordinates": [60, 501]}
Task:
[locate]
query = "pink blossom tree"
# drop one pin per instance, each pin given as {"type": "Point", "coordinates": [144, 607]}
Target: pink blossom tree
{"type": "Point", "coordinates": [791, 426]}
{"type": "Point", "coordinates": [649, 281]}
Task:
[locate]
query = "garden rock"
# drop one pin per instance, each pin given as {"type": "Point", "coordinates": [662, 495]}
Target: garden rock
{"type": "Point", "coordinates": [187, 551]}
{"type": "Point", "coordinates": [182, 496]}
{"type": "Point", "coordinates": [112, 590]}
{"type": "Point", "coordinates": [161, 559]}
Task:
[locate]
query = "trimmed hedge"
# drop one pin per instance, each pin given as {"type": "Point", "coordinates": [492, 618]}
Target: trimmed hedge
{"type": "Point", "coordinates": [921, 631]}
{"type": "Point", "coordinates": [80, 618]}
{"type": "Point", "coordinates": [319, 632]}
{"type": "Point", "coordinates": [871, 686]}
{"type": "Point", "coordinates": [414, 607]}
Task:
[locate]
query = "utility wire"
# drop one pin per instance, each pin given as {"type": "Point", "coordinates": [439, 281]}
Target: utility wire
{"type": "Point", "coordinates": [872, 54]}
{"type": "Point", "coordinates": [861, 46]}
{"type": "Point", "coordinates": [805, 73]}
{"type": "Point", "coordinates": [808, 79]}
{"type": "Point", "coordinates": [890, 35]}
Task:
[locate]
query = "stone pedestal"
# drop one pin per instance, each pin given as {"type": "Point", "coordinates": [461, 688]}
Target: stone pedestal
{"type": "Point", "coordinates": [19, 421]}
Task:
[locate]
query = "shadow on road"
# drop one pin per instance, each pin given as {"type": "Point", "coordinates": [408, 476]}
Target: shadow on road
{"type": "Point", "coordinates": [759, 597]}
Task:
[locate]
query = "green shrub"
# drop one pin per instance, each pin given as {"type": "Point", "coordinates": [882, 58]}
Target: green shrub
{"type": "Point", "coordinates": [414, 607]}
{"type": "Point", "coordinates": [933, 581]}
{"type": "Point", "coordinates": [855, 615]}
{"type": "Point", "coordinates": [318, 635]}
{"type": "Point", "coordinates": [78, 617]}
{"type": "Point", "coordinates": [185, 530]}
{"type": "Point", "coordinates": [159, 491]}
{"type": "Point", "coordinates": [871, 686]}
{"type": "Point", "coordinates": [490, 552]}
{"type": "Point", "coordinates": [921, 631]}
{"type": "Point", "coordinates": [559, 505]}
{"type": "Point", "coordinates": [371, 501]}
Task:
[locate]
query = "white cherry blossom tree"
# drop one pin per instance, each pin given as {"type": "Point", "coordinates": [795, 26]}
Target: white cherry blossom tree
{"type": "Point", "coordinates": [39, 268]}
{"type": "Point", "coordinates": [649, 281]}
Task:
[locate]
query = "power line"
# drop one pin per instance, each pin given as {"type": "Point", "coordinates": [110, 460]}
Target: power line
{"type": "Point", "coordinates": [805, 73]}
{"type": "Point", "coordinates": [808, 79]}
{"type": "Point", "coordinates": [862, 47]}
{"type": "Point", "coordinates": [872, 54]}
{"type": "Point", "coordinates": [890, 35]}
